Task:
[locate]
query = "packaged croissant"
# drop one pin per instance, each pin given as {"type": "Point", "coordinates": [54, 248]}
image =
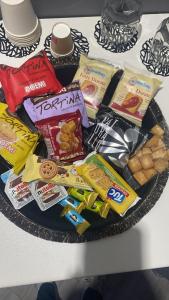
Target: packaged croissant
{"type": "Point", "coordinates": [133, 94]}
{"type": "Point", "coordinates": [16, 139]}
{"type": "Point", "coordinates": [94, 76]}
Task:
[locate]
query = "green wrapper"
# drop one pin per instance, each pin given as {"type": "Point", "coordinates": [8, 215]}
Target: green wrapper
{"type": "Point", "coordinates": [100, 208]}
{"type": "Point", "coordinates": [87, 197]}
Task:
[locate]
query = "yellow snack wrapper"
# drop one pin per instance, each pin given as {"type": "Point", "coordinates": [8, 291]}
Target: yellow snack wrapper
{"type": "Point", "coordinates": [133, 95]}
{"type": "Point", "coordinates": [87, 197]}
{"type": "Point", "coordinates": [108, 183]}
{"type": "Point", "coordinates": [47, 170]}
{"type": "Point", "coordinates": [94, 77]}
{"type": "Point", "coordinates": [16, 139]}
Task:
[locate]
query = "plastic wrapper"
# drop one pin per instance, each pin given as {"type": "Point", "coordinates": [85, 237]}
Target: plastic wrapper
{"type": "Point", "coordinates": [94, 77]}
{"type": "Point", "coordinates": [47, 194]}
{"type": "Point", "coordinates": [72, 203]}
{"type": "Point", "coordinates": [111, 187]}
{"type": "Point", "coordinates": [17, 191]}
{"type": "Point", "coordinates": [150, 160]}
{"type": "Point", "coordinates": [63, 136]}
{"type": "Point", "coordinates": [68, 100]}
{"type": "Point", "coordinates": [87, 197]}
{"type": "Point", "coordinates": [16, 139]}
{"type": "Point", "coordinates": [35, 77]}
{"type": "Point", "coordinates": [133, 94]}
{"type": "Point", "coordinates": [47, 170]}
{"type": "Point", "coordinates": [114, 137]}
{"type": "Point", "coordinates": [80, 224]}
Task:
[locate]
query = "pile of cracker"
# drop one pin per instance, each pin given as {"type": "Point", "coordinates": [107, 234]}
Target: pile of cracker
{"type": "Point", "coordinates": [151, 159]}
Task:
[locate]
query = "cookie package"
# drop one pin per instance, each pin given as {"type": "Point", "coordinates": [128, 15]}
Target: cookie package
{"type": "Point", "coordinates": [68, 100]}
{"type": "Point", "coordinates": [63, 136]}
{"type": "Point", "coordinates": [47, 194]}
{"type": "Point", "coordinates": [133, 94]}
{"type": "Point", "coordinates": [94, 77]}
{"type": "Point", "coordinates": [47, 170]}
{"type": "Point", "coordinates": [34, 78]}
{"type": "Point", "coordinates": [150, 160]}
{"type": "Point", "coordinates": [111, 187]}
{"type": "Point", "coordinates": [16, 139]}
{"type": "Point", "coordinates": [114, 137]}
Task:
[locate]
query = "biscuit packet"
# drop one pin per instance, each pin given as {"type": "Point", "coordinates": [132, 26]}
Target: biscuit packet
{"type": "Point", "coordinates": [150, 160]}
{"type": "Point", "coordinates": [114, 137]}
{"type": "Point", "coordinates": [68, 100]}
{"type": "Point", "coordinates": [17, 191]}
{"type": "Point", "coordinates": [80, 224]}
{"type": "Point", "coordinates": [47, 194]}
{"type": "Point", "coordinates": [47, 170]}
{"type": "Point", "coordinates": [63, 136]}
{"type": "Point", "coordinates": [35, 77]}
{"type": "Point", "coordinates": [111, 187]}
{"type": "Point", "coordinates": [94, 77]}
{"type": "Point", "coordinates": [133, 94]}
{"type": "Point", "coordinates": [16, 139]}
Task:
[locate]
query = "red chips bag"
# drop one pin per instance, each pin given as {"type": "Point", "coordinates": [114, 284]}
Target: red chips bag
{"type": "Point", "coordinates": [34, 78]}
{"type": "Point", "coordinates": [63, 136]}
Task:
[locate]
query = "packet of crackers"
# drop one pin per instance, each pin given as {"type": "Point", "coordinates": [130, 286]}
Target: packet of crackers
{"type": "Point", "coordinates": [63, 136]}
{"type": "Point", "coordinates": [133, 94]}
{"type": "Point", "coordinates": [150, 160]}
{"type": "Point", "coordinates": [94, 77]}
{"type": "Point", "coordinates": [80, 224]}
{"type": "Point", "coordinates": [111, 187]}
{"type": "Point", "coordinates": [17, 191]}
{"type": "Point", "coordinates": [114, 137]}
{"type": "Point", "coordinates": [47, 194]}
{"type": "Point", "coordinates": [35, 77]}
{"type": "Point", "coordinates": [49, 170]}
{"type": "Point", "coordinates": [16, 139]}
{"type": "Point", "coordinates": [68, 100]}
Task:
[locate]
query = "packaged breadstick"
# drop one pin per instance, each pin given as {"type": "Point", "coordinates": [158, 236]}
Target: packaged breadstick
{"type": "Point", "coordinates": [111, 187]}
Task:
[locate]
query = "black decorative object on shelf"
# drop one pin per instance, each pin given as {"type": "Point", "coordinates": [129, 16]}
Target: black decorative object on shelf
{"type": "Point", "coordinates": [152, 64]}
{"type": "Point", "coordinates": [9, 49]}
{"type": "Point", "coordinates": [81, 45]}
{"type": "Point", "coordinates": [116, 48]}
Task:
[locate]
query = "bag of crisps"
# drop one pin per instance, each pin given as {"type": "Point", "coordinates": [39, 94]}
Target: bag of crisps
{"type": "Point", "coordinates": [94, 77]}
{"type": "Point", "coordinates": [16, 139]}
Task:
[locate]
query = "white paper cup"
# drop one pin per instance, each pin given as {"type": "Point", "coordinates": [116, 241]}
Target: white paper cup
{"type": "Point", "coordinates": [18, 16]}
{"type": "Point", "coordinates": [61, 41]}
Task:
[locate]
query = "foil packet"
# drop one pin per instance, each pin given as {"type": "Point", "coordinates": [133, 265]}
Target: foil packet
{"type": "Point", "coordinates": [68, 100]}
{"type": "Point", "coordinates": [17, 191]}
{"type": "Point", "coordinates": [114, 137]}
{"type": "Point", "coordinates": [47, 194]}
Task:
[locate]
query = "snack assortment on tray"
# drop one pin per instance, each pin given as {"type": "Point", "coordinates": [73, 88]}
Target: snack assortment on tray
{"type": "Point", "coordinates": [73, 122]}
